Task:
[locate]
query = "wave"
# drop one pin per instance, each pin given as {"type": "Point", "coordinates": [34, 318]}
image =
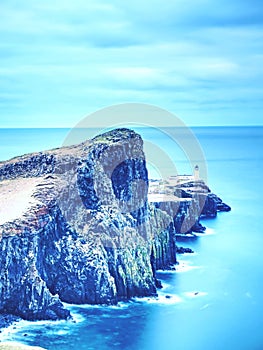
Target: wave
{"type": "Point", "coordinates": [194, 294]}
{"type": "Point", "coordinates": [73, 307]}
{"type": "Point", "coordinates": [185, 266]}
{"type": "Point", "coordinates": [167, 299]}
{"type": "Point", "coordinates": [26, 331]}
{"type": "Point", "coordinates": [208, 232]}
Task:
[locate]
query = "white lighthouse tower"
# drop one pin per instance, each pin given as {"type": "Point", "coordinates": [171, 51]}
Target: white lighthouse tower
{"type": "Point", "coordinates": [196, 173]}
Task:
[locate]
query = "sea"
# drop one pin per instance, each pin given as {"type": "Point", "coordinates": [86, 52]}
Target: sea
{"type": "Point", "coordinates": [214, 297]}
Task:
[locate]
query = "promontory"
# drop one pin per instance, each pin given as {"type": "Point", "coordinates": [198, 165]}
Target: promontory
{"type": "Point", "coordinates": [76, 226]}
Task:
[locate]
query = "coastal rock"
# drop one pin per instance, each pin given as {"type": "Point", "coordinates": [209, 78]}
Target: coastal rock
{"type": "Point", "coordinates": [183, 250]}
{"type": "Point", "coordinates": [185, 214]}
{"type": "Point", "coordinates": [76, 227]}
{"type": "Point", "coordinates": [214, 204]}
{"type": "Point", "coordinates": [6, 320]}
{"type": "Point", "coordinates": [190, 202]}
{"type": "Point", "coordinates": [204, 204]}
{"type": "Point", "coordinates": [198, 227]}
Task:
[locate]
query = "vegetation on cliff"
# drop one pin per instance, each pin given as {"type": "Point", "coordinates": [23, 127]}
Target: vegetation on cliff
{"type": "Point", "coordinates": [83, 232]}
{"type": "Point", "coordinates": [76, 226]}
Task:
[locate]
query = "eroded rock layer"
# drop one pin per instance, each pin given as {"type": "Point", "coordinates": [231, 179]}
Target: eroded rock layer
{"type": "Point", "coordinates": [76, 227]}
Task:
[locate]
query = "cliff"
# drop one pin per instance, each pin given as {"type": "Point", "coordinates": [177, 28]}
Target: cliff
{"type": "Point", "coordinates": [187, 203]}
{"type": "Point", "coordinates": [76, 227]}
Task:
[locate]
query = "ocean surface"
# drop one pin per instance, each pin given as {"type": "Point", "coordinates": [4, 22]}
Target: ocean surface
{"type": "Point", "coordinates": [214, 299]}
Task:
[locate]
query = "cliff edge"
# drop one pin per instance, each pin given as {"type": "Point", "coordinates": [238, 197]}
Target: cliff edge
{"type": "Point", "coordinates": [76, 227]}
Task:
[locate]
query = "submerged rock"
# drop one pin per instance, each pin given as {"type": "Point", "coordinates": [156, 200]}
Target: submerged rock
{"type": "Point", "coordinates": [182, 250]}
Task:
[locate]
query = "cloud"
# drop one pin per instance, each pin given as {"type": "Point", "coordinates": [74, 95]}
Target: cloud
{"type": "Point", "coordinates": [64, 58]}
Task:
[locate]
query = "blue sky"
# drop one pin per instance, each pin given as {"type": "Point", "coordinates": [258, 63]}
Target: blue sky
{"type": "Point", "coordinates": [200, 59]}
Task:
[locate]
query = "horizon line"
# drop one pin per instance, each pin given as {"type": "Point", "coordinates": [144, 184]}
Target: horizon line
{"type": "Point", "coordinates": [140, 126]}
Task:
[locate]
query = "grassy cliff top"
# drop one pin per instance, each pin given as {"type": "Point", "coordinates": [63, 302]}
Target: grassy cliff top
{"type": "Point", "coordinates": [115, 135]}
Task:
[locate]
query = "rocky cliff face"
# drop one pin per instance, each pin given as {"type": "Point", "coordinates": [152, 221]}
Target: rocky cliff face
{"type": "Point", "coordinates": [192, 201]}
{"type": "Point", "coordinates": [76, 226]}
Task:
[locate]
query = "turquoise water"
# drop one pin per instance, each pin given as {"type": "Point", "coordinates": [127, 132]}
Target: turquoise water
{"type": "Point", "coordinates": [215, 298]}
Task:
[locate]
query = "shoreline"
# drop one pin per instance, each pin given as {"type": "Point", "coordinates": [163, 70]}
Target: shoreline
{"type": "Point", "coordinates": [11, 345]}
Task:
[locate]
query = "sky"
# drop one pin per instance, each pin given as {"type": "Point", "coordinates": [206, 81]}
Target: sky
{"type": "Point", "coordinates": [61, 60]}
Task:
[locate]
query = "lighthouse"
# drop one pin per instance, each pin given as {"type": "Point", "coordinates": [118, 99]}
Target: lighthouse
{"type": "Point", "coordinates": [196, 173]}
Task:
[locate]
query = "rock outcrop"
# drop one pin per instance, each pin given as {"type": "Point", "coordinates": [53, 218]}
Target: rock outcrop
{"type": "Point", "coordinates": [190, 202]}
{"type": "Point", "coordinates": [183, 250]}
{"type": "Point", "coordinates": [76, 227]}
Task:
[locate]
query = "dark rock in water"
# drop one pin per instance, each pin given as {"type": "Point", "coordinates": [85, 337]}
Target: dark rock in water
{"type": "Point", "coordinates": [213, 204]}
{"type": "Point", "coordinates": [6, 320]}
{"type": "Point", "coordinates": [158, 284]}
{"type": "Point", "coordinates": [198, 227]}
{"type": "Point", "coordinates": [223, 207]}
{"type": "Point", "coordinates": [182, 250]}
{"type": "Point", "coordinates": [84, 231]}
